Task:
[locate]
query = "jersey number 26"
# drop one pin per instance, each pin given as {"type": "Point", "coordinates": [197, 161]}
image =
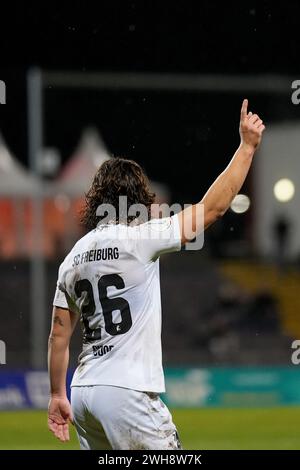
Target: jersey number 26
{"type": "Point", "coordinates": [108, 306]}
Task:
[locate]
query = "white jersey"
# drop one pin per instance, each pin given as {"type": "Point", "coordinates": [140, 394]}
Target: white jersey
{"type": "Point", "coordinates": [111, 279]}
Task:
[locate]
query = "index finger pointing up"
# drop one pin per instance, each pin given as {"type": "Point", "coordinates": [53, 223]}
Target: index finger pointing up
{"type": "Point", "coordinates": [244, 109]}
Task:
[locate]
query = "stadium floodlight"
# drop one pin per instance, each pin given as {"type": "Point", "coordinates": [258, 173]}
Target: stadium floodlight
{"type": "Point", "coordinates": [284, 190]}
{"type": "Point", "coordinates": [240, 204]}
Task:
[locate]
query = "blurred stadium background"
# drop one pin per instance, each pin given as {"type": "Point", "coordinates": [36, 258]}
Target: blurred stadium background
{"type": "Point", "coordinates": [169, 97]}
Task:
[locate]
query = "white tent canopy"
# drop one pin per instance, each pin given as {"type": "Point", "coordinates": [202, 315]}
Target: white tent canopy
{"type": "Point", "coordinates": [79, 171]}
{"type": "Point", "coordinates": [15, 180]}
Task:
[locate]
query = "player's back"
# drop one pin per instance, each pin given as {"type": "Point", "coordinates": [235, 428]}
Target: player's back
{"type": "Point", "coordinates": [111, 279]}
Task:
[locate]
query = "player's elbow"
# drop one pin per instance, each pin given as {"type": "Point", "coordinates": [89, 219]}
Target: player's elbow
{"type": "Point", "coordinates": [51, 339]}
{"type": "Point", "coordinates": [219, 212]}
{"type": "Point", "coordinates": [213, 215]}
{"type": "Point", "coordinates": [58, 338]}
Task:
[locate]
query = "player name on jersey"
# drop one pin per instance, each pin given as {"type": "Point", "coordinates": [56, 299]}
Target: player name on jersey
{"type": "Point", "coordinates": [96, 255]}
{"type": "Point", "coordinates": [99, 351]}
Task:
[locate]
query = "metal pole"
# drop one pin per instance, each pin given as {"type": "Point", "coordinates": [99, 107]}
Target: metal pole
{"type": "Point", "coordinates": [37, 264]}
{"type": "Point", "coordinates": [170, 82]}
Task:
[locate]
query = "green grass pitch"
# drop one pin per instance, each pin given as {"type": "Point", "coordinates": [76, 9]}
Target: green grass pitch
{"type": "Point", "coordinates": [273, 428]}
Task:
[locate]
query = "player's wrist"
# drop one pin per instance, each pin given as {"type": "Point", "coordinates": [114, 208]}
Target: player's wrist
{"type": "Point", "coordinates": [247, 148]}
{"type": "Point", "coordinates": [58, 395]}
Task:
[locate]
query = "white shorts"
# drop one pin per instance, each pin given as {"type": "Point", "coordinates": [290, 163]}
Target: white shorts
{"type": "Point", "coordinates": [108, 417]}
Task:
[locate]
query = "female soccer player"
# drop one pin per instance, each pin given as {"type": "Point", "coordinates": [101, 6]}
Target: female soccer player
{"type": "Point", "coordinates": [110, 280]}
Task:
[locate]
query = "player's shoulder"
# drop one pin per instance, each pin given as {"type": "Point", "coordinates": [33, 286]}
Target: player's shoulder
{"type": "Point", "coordinates": [158, 224]}
{"type": "Point", "coordinates": [100, 233]}
{"type": "Point", "coordinates": [155, 226]}
{"type": "Point", "coordinates": [78, 246]}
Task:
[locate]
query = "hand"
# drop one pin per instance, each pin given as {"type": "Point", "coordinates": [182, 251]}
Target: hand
{"type": "Point", "coordinates": [251, 128]}
{"type": "Point", "coordinates": [59, 415]}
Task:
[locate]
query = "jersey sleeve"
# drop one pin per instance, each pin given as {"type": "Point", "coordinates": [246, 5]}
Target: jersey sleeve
{"type": "Point", "coordinates": [158, 236]}
{"type": "Point", "coordinates": [60, 297]}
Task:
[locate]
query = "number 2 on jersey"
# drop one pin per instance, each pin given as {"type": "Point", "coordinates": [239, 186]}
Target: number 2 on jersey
{"type": "Point", "coordinates": [108, 306]}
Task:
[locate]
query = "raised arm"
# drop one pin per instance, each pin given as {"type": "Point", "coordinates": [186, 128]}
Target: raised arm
{"type": "Point", "coordinates": [219, 196]}
{"type": "Point", "coordinates": [59, 412]}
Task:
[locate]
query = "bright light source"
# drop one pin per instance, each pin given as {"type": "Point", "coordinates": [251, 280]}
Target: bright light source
{"type": "Point", "coordinates": [240, 204]}
{"type": "Point", "coordinates": [284, 190]}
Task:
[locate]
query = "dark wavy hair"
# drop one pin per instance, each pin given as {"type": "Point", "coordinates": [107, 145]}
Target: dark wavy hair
{"type": "Point", "coordinates": [116, 177]}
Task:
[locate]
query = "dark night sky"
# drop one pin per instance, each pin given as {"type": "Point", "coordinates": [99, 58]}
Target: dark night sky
{"type": "Point", "coordinates": [157, 129]}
